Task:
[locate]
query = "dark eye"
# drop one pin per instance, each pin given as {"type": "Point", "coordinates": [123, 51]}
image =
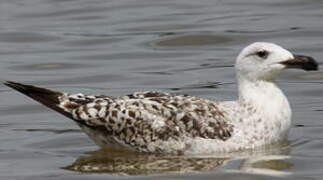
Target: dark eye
{"type": "Point", "coordinates": [262, 54]}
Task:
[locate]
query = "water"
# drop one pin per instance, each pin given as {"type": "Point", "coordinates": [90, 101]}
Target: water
{"type": "Point", "coordinates": [117, 47]}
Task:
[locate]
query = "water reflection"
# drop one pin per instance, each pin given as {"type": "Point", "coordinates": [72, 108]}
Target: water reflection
{"type": "Point", "coordinates": [274, 165]}
{"type": "Point", "coordinates": [270, 161]}
{"type": "Point", "coordinates": [141, 164]}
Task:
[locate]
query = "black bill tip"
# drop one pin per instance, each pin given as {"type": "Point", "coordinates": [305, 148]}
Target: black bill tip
{"type": "Point", "coordinates": [302, 62]}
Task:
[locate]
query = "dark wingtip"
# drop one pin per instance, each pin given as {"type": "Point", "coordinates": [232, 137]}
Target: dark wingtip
{"type": "Point", "coordinates": [42, 95]}
{"type": "Point", "coordinates": [45, 96]}
{"type": "Point", "coordinates": [14, 85]}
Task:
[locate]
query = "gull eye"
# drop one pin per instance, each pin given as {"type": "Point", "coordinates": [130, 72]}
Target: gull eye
{"type": "Point", "coordinates": [262, 53]}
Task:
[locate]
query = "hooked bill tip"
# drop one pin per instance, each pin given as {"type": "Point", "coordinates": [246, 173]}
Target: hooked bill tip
{"type": "Point", "coordinates": [306, 63]}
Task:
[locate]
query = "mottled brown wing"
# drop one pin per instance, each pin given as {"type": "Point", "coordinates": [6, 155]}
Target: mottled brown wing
{"type": "Point", "coordinates": [138, 119]}
{"type": "Point", "coordinates": [146, 117]}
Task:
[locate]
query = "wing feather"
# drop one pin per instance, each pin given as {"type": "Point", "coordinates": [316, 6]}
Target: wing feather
{"type": "Point", "coordinates": [143, 118]}
{"type": "Point", "coordinates": [137, 120]}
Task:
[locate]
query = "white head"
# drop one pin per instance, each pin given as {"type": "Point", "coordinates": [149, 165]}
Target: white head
{"type": "Point", "coordinates": [265, 61]}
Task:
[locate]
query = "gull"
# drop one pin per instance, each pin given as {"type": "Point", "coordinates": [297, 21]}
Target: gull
{"type": "Point", "coordinates": [159, 122]}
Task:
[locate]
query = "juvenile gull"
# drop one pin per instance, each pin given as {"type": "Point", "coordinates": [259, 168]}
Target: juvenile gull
{"type": "Point", "coordinates": [170, 123]}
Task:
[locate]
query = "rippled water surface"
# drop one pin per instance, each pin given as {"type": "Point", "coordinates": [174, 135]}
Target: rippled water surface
{"type": "Point", "coordinates": [120, 46]}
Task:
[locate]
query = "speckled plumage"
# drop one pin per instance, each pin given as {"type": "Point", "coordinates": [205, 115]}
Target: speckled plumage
{"type": "Point", "coordinates": [182, 124]}
{"type": "Point", "coordinates": [141, 120]}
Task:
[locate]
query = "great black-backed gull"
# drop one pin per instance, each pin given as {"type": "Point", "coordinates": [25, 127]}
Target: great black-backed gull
{"type": "Point", "coordinates": [169, 123]}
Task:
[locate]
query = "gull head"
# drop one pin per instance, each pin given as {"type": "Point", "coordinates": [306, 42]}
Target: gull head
{"type": "Point", "coordinates": [265, 61]}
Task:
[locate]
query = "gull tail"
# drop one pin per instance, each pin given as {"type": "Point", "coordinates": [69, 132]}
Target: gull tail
{"type": "Point", "coordinates": [46, 97]}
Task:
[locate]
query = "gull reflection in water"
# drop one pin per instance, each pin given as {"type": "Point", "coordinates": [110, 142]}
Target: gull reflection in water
{"type": "Point", "coordinates": [271, 160]}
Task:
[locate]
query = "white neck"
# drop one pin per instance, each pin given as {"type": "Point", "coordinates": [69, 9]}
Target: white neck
{"type": "Point", "coordinates": [256, 92]}
{"type": "Point", "coordinates": [267, 99]}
